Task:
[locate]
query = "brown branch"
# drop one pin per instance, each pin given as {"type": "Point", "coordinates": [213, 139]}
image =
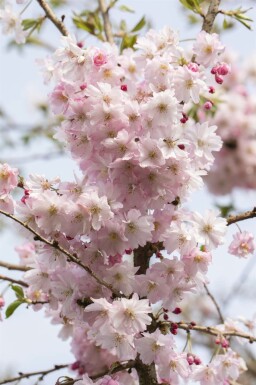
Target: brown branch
{"type": "Point", "coordinates": [41, 373]}
{"type": "Point", "coordinates": [241, 217]}
{"type": "Point", "coordinates": [215, 303]}
{"type": "Point", "coordinates": [106, 21]}
{"type": "Point", "coordinates": [213, 331]}
{"type": "Point", "coordinates": [11, 266]}
{"type": "Point", "coordinates": [12, 280]}
{"type": "Point", "coordinates": [51, 16]}
{"type": "Point", "coordinates": [70, 257]}
{"type": "Point", "coordinates": [116, 367]}
{"type": "Point", "coordinates": [211, 15]}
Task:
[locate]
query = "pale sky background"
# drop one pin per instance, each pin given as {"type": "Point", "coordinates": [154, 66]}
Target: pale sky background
{"type": "Point", "coordinates": [27, 340]}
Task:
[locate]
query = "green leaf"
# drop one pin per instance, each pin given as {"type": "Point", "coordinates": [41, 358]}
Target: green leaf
{"type": "Point", "coordinates": [227, 24]}
{"type": "Point", "coordinates": [18, 291]}
{"type": "Point", "coordinates": [12, 307]}
{"type": "Point", "coordinates": [97, 22]}
{"type": "Point", "coordinates": [123, 26]}
{"type": "Point", "coordinates": [225, 210]}
{"type": "Point", "coordinates": [193, 5]}
{"type": "Point", "coordinates": [125, 8]}
{"type": "Point", "coordinates": [128, 42]}
{"type": "Point", "coordinates": [139, 25]}
{"type": "Point", "coordinates": [29, 23]}
{"type": "Point", "coordinates": [84, 24]}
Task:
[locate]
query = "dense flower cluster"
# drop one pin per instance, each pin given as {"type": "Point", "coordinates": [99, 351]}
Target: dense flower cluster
{"type": "Point", "coordinates": [235, 164]}
{"type": "Point", "coordinates": [140, 157]}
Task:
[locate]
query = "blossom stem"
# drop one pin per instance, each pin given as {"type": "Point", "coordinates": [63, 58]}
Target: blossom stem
{"type": "Point", "coordinates": [12, 280]}
{"type": "Point", "coordinates": [11, 266]}
{"type": "Point", "coordinates": [106, 21]}
{"type": "Point", "coordinates": [41, 374]}
{"type": "Point", "coordinates": [215, 303]}
{"type": "Point", "coordinates": [70, 257]}
{"type": "Point", "coordinates": [210, 16]}
{"type": "Point", "coordinates": [51, 16]}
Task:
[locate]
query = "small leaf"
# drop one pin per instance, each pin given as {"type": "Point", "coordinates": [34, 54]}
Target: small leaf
{"type": "Point", "coordinates": [128, 42]}
{"type": "Point", "coordinates": [18, 291]}
{"type": "Point", "coordinates": [29, 23]}
{"type": "Point", "coordinates": [139, 25]}
{"type": "Point", "coordinates": [12, 307]}
{"type": "Point", "coordinates": [125, 8]}
{"type": "Point", "coordinates": [123, 26]}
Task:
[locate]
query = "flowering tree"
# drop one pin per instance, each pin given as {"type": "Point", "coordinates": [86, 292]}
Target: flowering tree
{"type": "Point", "coordinates": [112, 256]}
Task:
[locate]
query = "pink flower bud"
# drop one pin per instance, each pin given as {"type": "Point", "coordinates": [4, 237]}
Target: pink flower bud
{"type": "Point", "coordinates": [83, 86]}
{"type": "Point", "coordinates": [197, 360]}
{"type": "Point", "coordinates": [218, 79]}
{"type": "Point", "coordinates": [208, 105]}
{"type": "Point", "coordinates": [99, 59]}
{"type": "Point", "coordinates": [193, 67]}
{"type": "Point", "coordinates": [124, 87]}
{"type": "Point", "coordinates": [211, 90]}
{"type": "Point", "coordinates": [190, 359]}
{"type": "Point", "coordinates": [177, 310]}
{"type": "Point", "coordinates": [223, 69]}
{"type": "Point", "coordinates": [2, 302]}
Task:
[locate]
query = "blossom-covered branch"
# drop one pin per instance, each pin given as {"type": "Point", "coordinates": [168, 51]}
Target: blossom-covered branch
{"type": "Point", "coordinates": [11, 266]}
{"type": "Point", "coordinates": [51, 16]}
{"type": "Point", "coordinates": [211, 15]}
{"type": "Point", "coordinates": [241, 217]}
{"type": "Point", "coordinates": [55, 245]}
{"type": "Point", "coordinates": [212, 331]}
{"type": "Point", "coordinates": [12, 280]}
{"type": "Point", "coordinates": [41, 374]}
{"type": "Point", "coordinates": [106, 21]}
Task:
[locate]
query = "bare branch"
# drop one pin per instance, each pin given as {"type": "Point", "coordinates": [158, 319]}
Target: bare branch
{"type": "Point", "coordinates": [51, 16]}
{"type": "Point", "coordinates": [11, 266]}
{"type": "Point", "coordinates": [12, 280]}
{"type": "Point", "coordinates": [41, 374]}
{"type": "Point", "coordinates": [106, 21]}
{"type": "Point", "coordinates": [209, 18]}
{"type": "Point", "coordinates": [241, 217]}
{"type": "Point", "coordinates": [215, 303]}
{"type": "Point", "coordinates": [71, 257]}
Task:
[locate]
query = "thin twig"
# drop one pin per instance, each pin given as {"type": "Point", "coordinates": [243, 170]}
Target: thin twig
{"type": "Point", "coordinates": [41, 373]}
{"type": "Point", "coordinates": [106, 21]}
{"type": "Point", "coordinates": [11, 266]}
{"type": "Point", "coordinates": [71, 257]}
{"type": "Point", "coordinates": [241, 217]}
{"type": "Point", "coordinates": [211, 15]}
{"type": "Point", "coordinates": [215, 303]}
{"type": "Point", "coordinates": [12, 280]}
{"type": "Point", "coordinates": [51, 16]}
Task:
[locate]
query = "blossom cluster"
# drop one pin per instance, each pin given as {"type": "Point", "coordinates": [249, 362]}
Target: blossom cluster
{"type": "Point", "coordinates": [235, 164]}
{"type": "Point", "coordinates": [140, 156]}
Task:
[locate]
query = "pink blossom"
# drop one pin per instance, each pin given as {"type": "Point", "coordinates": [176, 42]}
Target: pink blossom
{"type": "Point", "coordinates": [242, 244]}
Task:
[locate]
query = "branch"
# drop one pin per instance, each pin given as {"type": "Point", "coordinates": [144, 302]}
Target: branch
{"type": "Point", "coordinates": [11, 266]}
{"type": "Point", "coordinates": [71, 257]}
{"type": "Point", "coordinates": [215, 303]}
{"type": "Point", "coordinates": [12, 280]}
{"type": "Point", "coordinates": [106, 21]}
{"type": "Point", "coordinates": [209, 18]}
{"type": "Point", "coordinates": [51, 16]}
{"type": "Point", "coordinates": [41, 373]}
{"type": "Point", "coordinates": [116, 367]}
{"type": "Point", "coordinates": [241, 217]}
{"type": "Point", "coordinates": [210, 330]}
